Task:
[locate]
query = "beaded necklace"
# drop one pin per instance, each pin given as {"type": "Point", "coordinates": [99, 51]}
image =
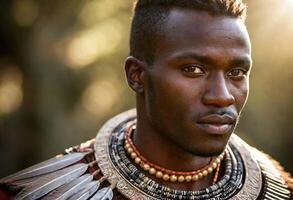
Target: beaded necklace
{"type": "Point", "coordinates": [167, 174]}
{"type": "Point", "coordinates": [224, 188]}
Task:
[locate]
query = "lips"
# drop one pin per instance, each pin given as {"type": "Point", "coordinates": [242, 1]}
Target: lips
{"type": "Point", "coordinates": [216, 124]}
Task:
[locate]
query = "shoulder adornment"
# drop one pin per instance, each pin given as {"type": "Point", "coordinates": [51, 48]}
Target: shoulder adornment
{"type": "Point", "coordinates": [277, 183]}
{"type": "Point", "coordinates": [72, 175]}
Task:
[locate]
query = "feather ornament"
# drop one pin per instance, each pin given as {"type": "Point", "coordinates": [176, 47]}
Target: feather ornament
{"type": "Point", "coordinates": [103, 194]}
{"type": "Point", "coordinates": [49, 182]}
{"type": "Point", "coordinates": [88, 191]}
{"type": "Point", "coordinates": [24, 182]}
{"type": "Point", "coordinates": [69, 189]}
{"type": "Point", "coordinates": [20, 184]}
{"type": "Point", "coordinates": [45, 167]}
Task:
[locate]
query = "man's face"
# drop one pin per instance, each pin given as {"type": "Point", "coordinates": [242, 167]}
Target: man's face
{"type": "Point", "coordinates": [199, 80]}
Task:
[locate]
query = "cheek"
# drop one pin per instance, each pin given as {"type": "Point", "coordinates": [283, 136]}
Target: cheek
{"type": "Point", "coordinates": [240, 93]}
{"type": "Point", "coordinates": [165, 95]}
{"type": "Point", "coordinates": [175, 93]}
{"type": "Point", "coordinates": [170, 90]}
{"type": "Point", "coordinates": [170, 102]}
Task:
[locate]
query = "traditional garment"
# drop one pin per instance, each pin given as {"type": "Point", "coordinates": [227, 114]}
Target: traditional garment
{"type": "Point", "coordinates": [104, 171]}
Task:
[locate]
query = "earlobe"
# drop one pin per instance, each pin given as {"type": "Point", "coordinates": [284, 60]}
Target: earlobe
{"type": "Point", "coordinates": [134, 70]}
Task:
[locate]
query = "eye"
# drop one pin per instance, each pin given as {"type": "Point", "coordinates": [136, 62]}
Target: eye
{"type": "Point", "coordinates": [193, 70]}
{"type": "Point", "coordinates": [237, 73]}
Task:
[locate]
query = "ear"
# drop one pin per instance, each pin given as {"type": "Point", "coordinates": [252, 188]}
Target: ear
{"type": "Point", "coordinates": [135, 70]}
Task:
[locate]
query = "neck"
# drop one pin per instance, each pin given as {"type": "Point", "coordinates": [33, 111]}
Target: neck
{"type": "Point", "coordinates": [158, 149]}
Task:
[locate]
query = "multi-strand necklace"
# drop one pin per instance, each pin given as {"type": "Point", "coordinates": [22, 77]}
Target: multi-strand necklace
{"type": "Point", "coordinates": [224, 188]}
{"type": "Point", "coordinates": [135, 183]}
{"type": "Point", "coordinates": [241, 177]}
{"type": "Point", "coordinates": [167, 174]}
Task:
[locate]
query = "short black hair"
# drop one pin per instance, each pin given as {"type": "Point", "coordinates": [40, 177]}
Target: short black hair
{"type": "Point", "coordinates": [150, 15]}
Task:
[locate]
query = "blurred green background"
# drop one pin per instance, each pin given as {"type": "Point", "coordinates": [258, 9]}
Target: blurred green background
{"type": "Point", "coordinates": [61, 76]}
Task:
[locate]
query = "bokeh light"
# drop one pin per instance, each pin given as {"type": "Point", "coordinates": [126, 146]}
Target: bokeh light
{"type": "Point", "coordinates": [25, 12]}
{"type": "Point", "coordinates": [95, 11]}
{"type": "Point", "coordinates": [85, 47]}
{"type": "Point", "coordinates": [10, 90]}
{"type": "Point", "coordinates": [100, 97]}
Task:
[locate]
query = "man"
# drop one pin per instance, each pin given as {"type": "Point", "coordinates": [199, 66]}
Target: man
{"type": "Point", "coordinates": [189, 66]}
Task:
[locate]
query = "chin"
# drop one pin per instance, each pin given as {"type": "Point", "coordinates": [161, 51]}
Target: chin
{"type": "Point", "coordinates": [207, 151]}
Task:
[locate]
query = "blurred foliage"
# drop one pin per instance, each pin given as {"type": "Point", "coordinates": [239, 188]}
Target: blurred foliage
{"type": "Point", "coordinates": [62, 77]}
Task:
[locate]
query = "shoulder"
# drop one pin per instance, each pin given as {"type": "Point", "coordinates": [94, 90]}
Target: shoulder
{"type": "Point", "coordinates": [70, 175]}
{"type": "Point", "coordinates": [276, 180]}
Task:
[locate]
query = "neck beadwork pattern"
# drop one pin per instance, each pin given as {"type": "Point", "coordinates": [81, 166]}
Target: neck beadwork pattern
{"type": "Point", "coordinates": [241, 177]}
{"type": "Point", "coordinates": [228, 185]}
{"type": "Point", "coordinates": [167, 174]}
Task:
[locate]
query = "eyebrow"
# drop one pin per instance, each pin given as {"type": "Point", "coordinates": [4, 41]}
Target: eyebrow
{"type": "Point", "coordinates": [193, 56]}
{"type": "Point", "coordinates": [239, 61]}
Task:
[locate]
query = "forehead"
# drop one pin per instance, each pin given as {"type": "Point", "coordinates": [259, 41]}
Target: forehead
{"type": "Point", "coordinates": [200, 31]}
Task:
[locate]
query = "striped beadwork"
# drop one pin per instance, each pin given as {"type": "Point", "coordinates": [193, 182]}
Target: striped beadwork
{"type": "Point", "coordinates": [224, 188]}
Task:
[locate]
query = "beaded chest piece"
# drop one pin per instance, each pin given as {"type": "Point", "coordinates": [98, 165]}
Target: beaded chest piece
{"type": "Point", "coordinates": [243, 178]}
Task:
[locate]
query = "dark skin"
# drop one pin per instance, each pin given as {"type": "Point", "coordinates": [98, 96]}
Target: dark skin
{"type": "Point", "coordinates": [190, 99]}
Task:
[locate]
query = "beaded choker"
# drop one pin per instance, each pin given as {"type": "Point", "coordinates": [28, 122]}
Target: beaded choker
{"type": "Point", "coordinates": [167, 174]}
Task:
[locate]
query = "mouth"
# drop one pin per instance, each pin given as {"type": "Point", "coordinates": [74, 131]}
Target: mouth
{"type": "Point", "coordinates": [216, 124]}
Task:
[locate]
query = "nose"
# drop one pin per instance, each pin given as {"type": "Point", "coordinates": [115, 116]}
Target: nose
{"type": "Point", "coordinates": [217, 92]}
